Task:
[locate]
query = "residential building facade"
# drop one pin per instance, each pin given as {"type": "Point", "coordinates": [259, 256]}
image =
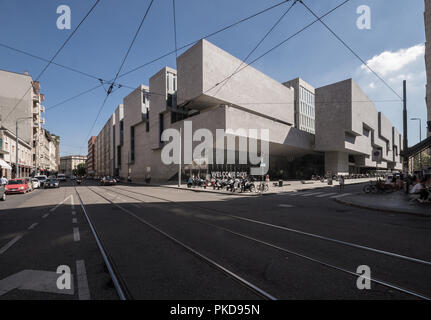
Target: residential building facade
{"type": "Point", "coordinates": [70, 163]}
{"type": "Point", "coordinates": [20, 106]}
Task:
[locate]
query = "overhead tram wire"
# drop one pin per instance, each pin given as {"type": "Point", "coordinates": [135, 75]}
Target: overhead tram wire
{"type": "Point", "coordinates": [276, 46]}
{"type": "Point", "coordinates": [55, 55]}
{"type": "Point", "coordinates": [259, 43]}
{"type": "Point", "coordinates": [119, 70]}
{"type": "Point", "coordinates": [350, 49]}
{"type": "Point", "coordinates": [205, 37]}
{"type": "Point", "coordinates": [147, 63]}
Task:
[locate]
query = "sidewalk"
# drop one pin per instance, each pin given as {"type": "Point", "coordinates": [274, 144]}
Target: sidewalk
{"type": "Point", "coordinates": [395, 202]}
{"type": "Point", "coordinates": [288, 186]}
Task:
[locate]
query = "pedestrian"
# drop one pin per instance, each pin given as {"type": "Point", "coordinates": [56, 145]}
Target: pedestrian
{"type": "Point", "coordinates": [3, 180]}
{"type": "Point", "coordinates": [341, 182]}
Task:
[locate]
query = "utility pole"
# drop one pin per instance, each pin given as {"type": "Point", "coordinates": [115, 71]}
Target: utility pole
{"type": "Point", "coordinates": [180, 160]}
{"type": "Point", "coordinates": [405, 144]}
{"type": "Point", "coordinates": [16, 149]}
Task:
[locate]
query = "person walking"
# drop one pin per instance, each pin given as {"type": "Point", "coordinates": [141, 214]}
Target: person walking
{"type": "Point", "coordinates": [3, 180]}
{"type": "Point", "coordinates": [341, 182]}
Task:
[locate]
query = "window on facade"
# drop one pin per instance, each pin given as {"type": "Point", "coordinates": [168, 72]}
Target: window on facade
{"type": "Point", "coordinates": [132, 143]}
{"type": "Point", "coordinates": [121, 132]}
{"type": "Point", "coordinates": [119, 156]}
{"type": "Point", "coordinates": [161, 126]}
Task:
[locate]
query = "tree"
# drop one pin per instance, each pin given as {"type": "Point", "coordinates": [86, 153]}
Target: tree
{"type": "Point", "coordinates": [80, 169]}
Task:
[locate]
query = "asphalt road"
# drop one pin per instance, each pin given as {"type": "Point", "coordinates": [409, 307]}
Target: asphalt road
{"type": "Point", "coordinates": [174, 244]}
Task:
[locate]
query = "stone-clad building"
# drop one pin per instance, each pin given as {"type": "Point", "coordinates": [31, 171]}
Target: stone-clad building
{"type": "Point", "coordinates": [309, 132]}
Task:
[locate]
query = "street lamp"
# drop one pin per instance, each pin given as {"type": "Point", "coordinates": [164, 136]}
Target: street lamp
{"type": "Point", "coordinates": [420, 138]}
{"type": "Point", "coordinates": [17, 144]}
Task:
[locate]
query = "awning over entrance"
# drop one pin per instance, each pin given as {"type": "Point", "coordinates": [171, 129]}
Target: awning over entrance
{"type": "Point", "coordinates": [5, 165]}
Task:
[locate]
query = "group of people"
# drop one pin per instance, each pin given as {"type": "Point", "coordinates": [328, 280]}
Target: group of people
{"type": "Point", "coordinates": [422, 188]}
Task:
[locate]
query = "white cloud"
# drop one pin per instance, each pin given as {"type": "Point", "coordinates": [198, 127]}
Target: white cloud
{"type": "Point", "coordinates": [403, 64]}
{"type": "Point", "coordinates": [388, 62]}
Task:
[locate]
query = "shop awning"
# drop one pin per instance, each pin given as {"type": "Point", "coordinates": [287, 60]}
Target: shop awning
{"type": "Point", "coordinates": [5, 165]}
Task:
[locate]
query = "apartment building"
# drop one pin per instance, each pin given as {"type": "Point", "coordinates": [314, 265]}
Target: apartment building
{"type": "Point", "coordinates": [70, 163]}
{"type": "Point", "coordinates": [20, 106]}
{"type": "Point", "coordinates": [196, 97]}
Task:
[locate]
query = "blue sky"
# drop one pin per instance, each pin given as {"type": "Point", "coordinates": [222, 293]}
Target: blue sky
{"type": "Point", "coordinates": [393, 46]}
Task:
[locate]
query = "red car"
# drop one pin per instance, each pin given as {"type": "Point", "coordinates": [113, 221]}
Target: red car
{"type": "Point", "coordinates": [17, 186]}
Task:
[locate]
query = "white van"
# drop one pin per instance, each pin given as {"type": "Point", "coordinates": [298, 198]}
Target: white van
{"type": "Point", "coordinates": [61, 177]}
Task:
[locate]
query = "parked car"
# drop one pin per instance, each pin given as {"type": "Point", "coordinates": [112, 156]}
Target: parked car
{"type": "Point", "coordinates": [42, 179]}
{"type": "Point", "coordinates": [61, 177]}
{"type": "Point", "coordinates": [36, 183]}
{"type": "Point", "coordinates": [17, 186]}
{"type": "Point", "coordinates": [30, 184]}
{"type": "Point", "coordinates": [52, 183]}
{"type": "Point", "coordinates": [108, 181]}
{"type": "Point", "coordinates": [2, 192]}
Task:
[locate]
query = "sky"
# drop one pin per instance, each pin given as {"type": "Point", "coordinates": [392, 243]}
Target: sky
{"type": "Point", "coordinates": [393, 47]}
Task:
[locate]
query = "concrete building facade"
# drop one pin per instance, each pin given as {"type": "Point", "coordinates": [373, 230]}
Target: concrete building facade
{"type": "Point", "coordinates": [349, 128]}
{"type": "Point", "coordinates": [90, 163]}
{"type": "Point", "coordinates": [305, 117]}
{"type": "Point", "coordinates": [130, 144]}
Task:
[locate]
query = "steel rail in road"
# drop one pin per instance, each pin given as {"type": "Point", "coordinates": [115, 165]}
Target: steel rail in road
{"type": "Point", "coordinates": [304, 233]}
{"type": "Point", "coordinates": [260, 292]}
{"type": "Point", "coordinates": [119, 283]}
{"type": "Point", "coordinates": [279, 248]}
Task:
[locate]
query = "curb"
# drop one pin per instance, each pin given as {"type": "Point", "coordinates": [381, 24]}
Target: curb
{"type": "Point", "coordinates": [351, 204]}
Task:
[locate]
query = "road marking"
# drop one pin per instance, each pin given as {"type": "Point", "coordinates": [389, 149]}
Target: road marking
{"type": "Point", "coordinates": [76, 236]}
{"type": "Point", "coordinates": [74, 220]}
{"type": "Point", "coordinates": [285, 205]}
{"type": "Point", "coordinates": [341, 195]}
{"type": "Point", "coordinates": [53, 209]}
{"type": "Point", "coordinates": [32, 226]}
{"type": "Point", "coordinates": [81, 276]}
{"type": "Point", "coordinates": [46, 215]}
{"type": "Point", "coordinates": [72, 202]}
{"type": "Point", "coordinates": [10, 244]}
{"type": "Point", "coordinates": [34, 280]}
{"type": "Point", "coordinates": [326, 195]}
{"type": "Point", "coordinates": [73, 212]}
{"type": "Point", "coordinates": [311, 194]}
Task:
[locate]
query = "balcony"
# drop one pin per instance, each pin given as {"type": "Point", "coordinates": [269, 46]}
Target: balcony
{"type": "Point", "coordinates": [42, 109]}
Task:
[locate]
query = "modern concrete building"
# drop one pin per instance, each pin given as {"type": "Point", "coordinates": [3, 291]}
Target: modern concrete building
{"type": "Point", "coordinates": [304, 137]}
{"type": "Point", "coordinates": [20, 102]}
{"type": "Point", "coordinates": [70, 163]}
{"type": "Point", "coordinates": [349, 128]}
{"type": "Point", "coordinates": [90, 163]}
{"type": "Point", "coordinates": [427, 18]}
{"type": "Point", "coordinates": [305, 118]}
